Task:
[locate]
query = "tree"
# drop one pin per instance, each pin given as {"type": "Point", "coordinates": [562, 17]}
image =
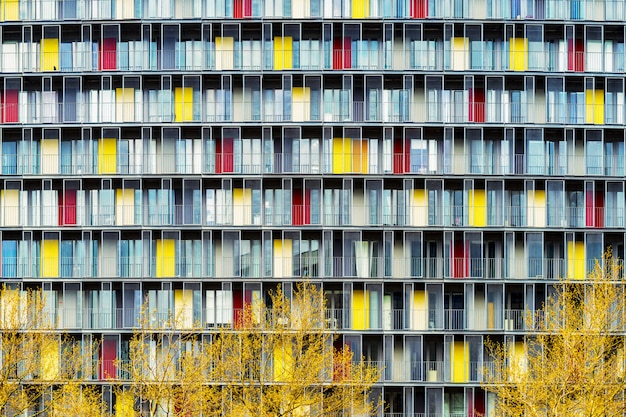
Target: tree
{"type": "Point", "coordinates": [76, 400]}
{"type": "Point", "coordinates": [572, 364]}
{"type": "Point", "coordinates": [39, 363]}
{"type": "Point", "coordinates": [275, 360]}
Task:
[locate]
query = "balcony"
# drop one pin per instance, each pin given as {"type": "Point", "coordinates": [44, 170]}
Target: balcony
{"type": "Point", "coordinates": [514, 320]}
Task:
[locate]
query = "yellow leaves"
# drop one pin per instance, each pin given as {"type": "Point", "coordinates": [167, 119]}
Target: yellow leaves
{"type": "Point", "coordinates": [73, 399]}
{"type": "Point", "coordinates": [43, 369]}
{"type": "Point", "coordinates": [276, 361]}
{"type": "Point", "coordinates": [572, 362]}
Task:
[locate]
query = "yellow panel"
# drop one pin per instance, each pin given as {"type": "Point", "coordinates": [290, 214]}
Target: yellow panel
{"type": "Point", "coordinates": [460, 53]}
{"type": "Point", "coordinates": [125, 207]}
{"type": "Point", "coordinates": [288, 52]}
{"type": "Point", "coordinates": [477, 208]}
{"type": "Point", "coordinates": [238, 206]}
{"type": "Point", "coordinates": [359, 156]}
{"type": "Point", "coordinates": [517, 361]}
{"type": "Point", "coordinates": [224, 53]}
{"type": "Point", "coordinates": [360, 9]}
{"type": "Point", "coordinates": [459, 364]}
{"type": "Point", "coordinates": [278, 53]}
{"type": "Point", "coordinates": [49, 156]}
{"type": "Point", "coordinates": [183, 305]}
{"type": "Point", "coordinates": [50, 258]}
{"type": "Point", "coordinates": [360, 310]}
{"type": "Point", "coordinates": [287, 261]}
{"type": "Point", "coordinates": [598, 108]}
{"type": "Point", "coordinates": [49, 54]}
{"type": "Point", "coordinates": [125, 104]}
{"type": "Point", "coordinates": [347, 155]}
{"type": "Point", "coordinates": [338, 158]}
{"type": "Point", "coordinates": [419, 209]}
{"type": "Point", "coordinates": [420, 309]}
{"type": "Point", "coordinates": [283, 362]}
{"type": "Point", "coordinates": [9, 307]}
{"type": "Point", "coordinates": [124, 405]}
{"type": "Point", "coordinates": [491, 315]}
{"type": "Point", "coordinates": [107, 156]}
{"type": "Point", "coordinates": [165, 258]}
{"type": "Point", "coordinates": [50, 360]}
{"type": "Point", "coordinates": [301, 102]}
{"type": "Point", "coordinates": [518, 54]}
{"type": "Point", "coordinates": [283, 258]}
{"type": "Point", "coordinates": [536, 205]}
{"type": "Point", "coordinates": [278, 258]}
{"type": "Point", "coordinates": [9, 10]}
{"type": "Point", "coordinates": [10, 208]}
{"type": "Point", "coordinates": [575, 260]}
{"type": "Point", "coordinates": [183, 104]}
{"type": "Point", "coordinates": [283, 52]}
{"type": "Point", "coordinates": [178, 302]}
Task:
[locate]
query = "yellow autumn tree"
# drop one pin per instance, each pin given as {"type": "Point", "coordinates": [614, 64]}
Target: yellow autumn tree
{"type": "Point", "coordinates": [38, 362]}
{"type": "Point", "coordinates": [77, 400]}
{"type": "Point", "coordinates": [572, 360]}
{"type": "Point", "coordinates": [164, 371]}
{"type": "Point", "coordinates": [274, 360]}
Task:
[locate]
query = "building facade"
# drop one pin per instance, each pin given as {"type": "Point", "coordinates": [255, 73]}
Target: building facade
{"type": "Point", "coordinates": [434, 164]}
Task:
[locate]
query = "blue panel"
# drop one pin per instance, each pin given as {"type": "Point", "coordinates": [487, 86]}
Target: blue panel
{"type": "Point", "coordinates": [9, 259]}
{"type": "Point", "coordinates": [66, 56]}
{"type": "Point", "coordinates": [9, 158]}
{"type": "Point", "coordinates": [67, 258]}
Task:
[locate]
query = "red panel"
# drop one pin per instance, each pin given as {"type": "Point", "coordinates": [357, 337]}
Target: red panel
{"type": "Point", "coordinates": [247, 8]}
{"type": "Point", "coordinates": [398, 157]}
{"type": "Point", "coordinates": [238, 10]}
{"type": "Point", "coordinates": [337, 62]}
{"type": "Point", "coordinates": [458, 260]}
{"type": "Point", "coordinates": [341, 371]}
{"type": "Point", "coordinates": [237, 308]}
{"type": "Point", "coordinates": [479, 402]}
{"type": "Point", "coordinates": [347, 53]}
{"type": "Point", "coordinates": [109, 54]}
{"type": "Point", "coordinates": [575, 55]}
{"type": "Point", "coordinates": [476, 106]}
{"type": "Point", "coordinates": [297, 215]}
{"type": "Point", "coordinates": [419, 9]}
{"type": "Point", "coordinates": [11, 106]}
{"type": "Point", "coordinates": [228, 160]}
{"type": "Point", "coordinates": [579, 59]}
{"type": "Point", "coordinates": [590, 209]}
{"type": "Point", "coordinates": [108, 356]}
{"type": "Point", "coordinates": [69, 207]}
{"type": "Point", "coordinates": [407, 155]}
{"type": "Point", "coordinates": [599, 211]}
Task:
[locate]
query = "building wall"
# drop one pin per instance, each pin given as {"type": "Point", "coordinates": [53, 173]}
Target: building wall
{"type": "Point", "coordinates": [436, 164]}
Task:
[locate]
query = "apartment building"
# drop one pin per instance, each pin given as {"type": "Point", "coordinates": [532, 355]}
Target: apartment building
{"type": "Point", "coordinates": [434, 164]}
